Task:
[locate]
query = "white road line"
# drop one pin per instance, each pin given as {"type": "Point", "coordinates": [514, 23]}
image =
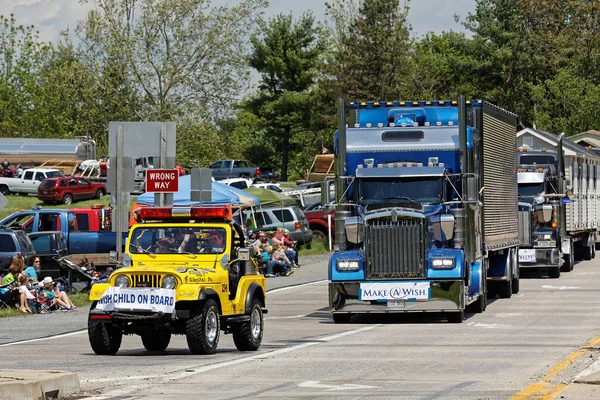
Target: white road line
{"type": "Point", "coordinates": [289, 317]}
{"type": "Point", "coordinates": [158, 379]}
{"type": "Point", "coordinates": [294, 286]}
{"type": "Point", "coordinates": [46, 338]}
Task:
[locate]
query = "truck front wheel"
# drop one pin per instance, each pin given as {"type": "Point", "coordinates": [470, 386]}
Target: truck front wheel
{"type": "Point", "coordinates": [4, 190]}
{"type": "Point", "coordinates": [203, 330]}
{"type": "Point", "coordinates": [105, 339]}
{"type": "Point", "coordinates": [248, 335]}
{"type": "Point", "coordinates": [156, 340]}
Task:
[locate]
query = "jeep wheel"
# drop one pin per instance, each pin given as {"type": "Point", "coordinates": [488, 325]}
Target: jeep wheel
{"type": "Point", "coordinates": [203, 330]}
{"type": "Point", "coordinates": [105, 339]}
{"type": "Point", "coordinates": [156, 340]}
{"type": "Point", "coordinates": [247, 336]}
{"type": "Point", "coordinates": [99, 194]}
{"type": "Point", "coordinates": [67, 199]}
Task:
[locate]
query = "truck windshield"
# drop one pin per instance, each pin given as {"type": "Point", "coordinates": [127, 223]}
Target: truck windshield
{"type": "Point", "coordinates": [530, 190]}
{"type": "Point", "coordinates": [178, 240]}
{"type": "Point", "coordinates": [398, 190]}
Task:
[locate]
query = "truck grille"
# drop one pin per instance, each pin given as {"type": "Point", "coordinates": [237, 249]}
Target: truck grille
{"type": "Point", "coordinates": [146, 280]}
{"type": "Point", "coordinates": [395, 250]}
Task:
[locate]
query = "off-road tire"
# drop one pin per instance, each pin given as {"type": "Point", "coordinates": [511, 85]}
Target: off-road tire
{"type": "Point", "coordinates": [105, 339]}
{"type": "Point", "coordinates": [202, 331]}
{"type": "Point", "coordinates": [67, 199]}
{"type": "Point", "coordinates": [342, 318]}
{"type": "Point", "coordinates": [99, 194]}
{"type": "Point", "coordinates": [156, 340]}
{"type": "Point", "coordinates": [248, 335]}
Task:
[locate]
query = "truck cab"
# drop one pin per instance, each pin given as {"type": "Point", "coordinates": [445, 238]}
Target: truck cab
{"type": "Point", "coordinates": [187, 271]}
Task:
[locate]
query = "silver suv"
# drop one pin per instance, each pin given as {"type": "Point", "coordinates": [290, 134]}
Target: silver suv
{"type": "Point", "coordinates": [290, 218]}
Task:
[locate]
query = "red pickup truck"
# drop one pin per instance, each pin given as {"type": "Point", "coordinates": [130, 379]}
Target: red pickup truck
{"type": "Point", "coordinates": [318, 220]}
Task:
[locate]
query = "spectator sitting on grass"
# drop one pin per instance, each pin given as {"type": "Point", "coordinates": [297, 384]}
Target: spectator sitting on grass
{"type": "Point", "coordinates": [32, 271]}
{"type": "Point", "coordinates": [27, 302]}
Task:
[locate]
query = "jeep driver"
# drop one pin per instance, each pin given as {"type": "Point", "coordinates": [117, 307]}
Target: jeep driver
{"type": "Point", "coordinates": [187, 272]}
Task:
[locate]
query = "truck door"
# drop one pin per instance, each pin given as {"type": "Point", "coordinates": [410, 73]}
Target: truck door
{"type": "Point", "coordinates": [85, 189]}
{"type": "Point", "coordinates": [32, 185]}
{"type": "Point", "coordinates": [218, 169]}
{"type": "Point", "coordinates": [26, 179]}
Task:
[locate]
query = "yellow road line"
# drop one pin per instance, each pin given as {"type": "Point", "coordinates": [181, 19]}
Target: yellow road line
{"type": "Point", "coordinates": [543, 389]}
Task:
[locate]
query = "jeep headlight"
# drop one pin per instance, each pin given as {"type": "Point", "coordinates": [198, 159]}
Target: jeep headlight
{"type": "Point", "coordinates": [347, 265]}
{"type": "Point", "coordinates": [442, 263]}
{"type": "Point", "coordinates": [122, 281]}
{"type": "Point", "coordinates": [168, 282]}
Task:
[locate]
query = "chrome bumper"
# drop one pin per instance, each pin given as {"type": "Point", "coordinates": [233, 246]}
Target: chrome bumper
{"type": "Point", "coordinates": [445, 296]}
{"type": "Point", "coordinates": [545, 257]}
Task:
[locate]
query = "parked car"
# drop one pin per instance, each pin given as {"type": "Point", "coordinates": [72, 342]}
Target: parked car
{"type": "Point", "coordinates": [224, 169]}
{"type": "Point", "coordinates": [240, 183]}
{"type": "Point", "coordinates": [271, 186]}
{"type": "Point", "coordinates": [319, 222]}
{"type": "Point", "coordinates": [49, 246]}
{"type": "Point", "coordinates": [28, 182]}
{"type": "Point", "coordinates": [13, 242]}
{"type": "Point", "coordinates": [290, 218]}
{"type": "Point", "coordinates": [67, 189]}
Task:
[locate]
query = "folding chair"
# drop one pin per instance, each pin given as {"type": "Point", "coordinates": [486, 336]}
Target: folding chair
{"type": "Point", "coordinates": [9, 296]}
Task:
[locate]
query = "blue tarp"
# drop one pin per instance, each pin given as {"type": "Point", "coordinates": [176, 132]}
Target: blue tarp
{"type": "Point", "coordinates": [221, 194]}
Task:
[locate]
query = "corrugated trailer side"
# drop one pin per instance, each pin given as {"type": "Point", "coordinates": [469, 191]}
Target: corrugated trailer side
{"type": "Point", "coordinates": [500, 211]}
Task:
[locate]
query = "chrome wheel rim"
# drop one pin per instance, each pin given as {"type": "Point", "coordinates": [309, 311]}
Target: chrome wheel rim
{"type": "Point", "coordinates": [211, 326]}
{"type": "Point", "coordinates": [255, 323]}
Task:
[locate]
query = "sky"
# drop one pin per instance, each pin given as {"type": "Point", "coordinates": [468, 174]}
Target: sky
{"type": "Point", "coordinates": [50, 17]}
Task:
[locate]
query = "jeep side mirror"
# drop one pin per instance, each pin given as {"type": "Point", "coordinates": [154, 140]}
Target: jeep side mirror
{"type": "Point", "coordinates": [244, 254]}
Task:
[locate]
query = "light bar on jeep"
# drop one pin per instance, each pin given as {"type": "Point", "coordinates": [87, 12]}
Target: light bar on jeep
{"type": "Point", "coordinates": [161, 213]}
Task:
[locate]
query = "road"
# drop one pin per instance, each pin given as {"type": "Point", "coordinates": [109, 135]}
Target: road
{"type": "Point", "coordinates": [533, 343]}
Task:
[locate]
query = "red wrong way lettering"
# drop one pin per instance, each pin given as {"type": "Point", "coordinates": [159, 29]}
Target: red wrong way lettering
{"type": "Point", "coordinates": [162, 180]}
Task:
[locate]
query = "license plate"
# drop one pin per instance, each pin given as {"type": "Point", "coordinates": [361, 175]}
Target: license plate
{"type": "Point", "coordinates": [45, 192]}
{"type": "Point", "coordinates": [527, 255]}
{"type": "Point", "coordinates": [396, 303]}
{"type": "Point", "coordinates": [546, 244]}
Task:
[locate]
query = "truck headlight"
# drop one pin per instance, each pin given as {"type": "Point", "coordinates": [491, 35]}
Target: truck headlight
{"type": "Point", "coordinates": [347, 265]}
{"type": "Point", "coordinates": [122, 281]}
{"type": "Point", "coordinates": [442, 263]}
{"type": "Point", "coordinates": [168, 282]}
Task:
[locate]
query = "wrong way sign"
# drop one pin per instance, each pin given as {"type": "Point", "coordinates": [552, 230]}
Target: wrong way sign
{"type": "Point", "coordinates": [162, 180]}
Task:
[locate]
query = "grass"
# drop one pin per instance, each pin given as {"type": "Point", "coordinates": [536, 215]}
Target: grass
{"type": "Point", "coordinates": [315, 247]}
{"type": "Point", "coordinates": [18, 203]}
{"type": "Point", "coordinates": [79, 299]}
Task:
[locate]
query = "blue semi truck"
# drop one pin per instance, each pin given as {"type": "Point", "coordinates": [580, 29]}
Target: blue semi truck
{"type": "Point", "coordinates": [426, 198]}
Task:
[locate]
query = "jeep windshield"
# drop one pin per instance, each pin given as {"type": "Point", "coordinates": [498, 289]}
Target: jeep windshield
{"type": "Point", "coordinates": [178, 240]}
{"type": "Point", "coordinates": [409, 192]}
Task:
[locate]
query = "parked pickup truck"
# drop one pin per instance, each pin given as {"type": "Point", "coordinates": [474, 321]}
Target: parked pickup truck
{"type": "Point", "coordinates": [224, 169]}
{"type": "Point", "coordinates": [91, 244]}
{"type": "Point", "coordinates": [318, 221]}
{"type": "Point", "coordinates": [28, 182]}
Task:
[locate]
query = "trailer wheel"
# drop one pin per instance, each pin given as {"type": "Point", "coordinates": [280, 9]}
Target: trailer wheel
{"type": "Point", "coordinates": [67, 199]}
{"type": "Point", "coordinates": [4, 190]}
{"type": "Point", "coordinates": [554, 272]}
{"type": "Point", "coordinates": [587, 252]}
{"type": "Point", "coordinates": [506, 289]}
{"type": "Point", "coordinates": [569, 260]}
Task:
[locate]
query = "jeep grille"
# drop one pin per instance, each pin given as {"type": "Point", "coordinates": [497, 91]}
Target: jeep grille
{"type": "Point", "coordinates": [146, 280]}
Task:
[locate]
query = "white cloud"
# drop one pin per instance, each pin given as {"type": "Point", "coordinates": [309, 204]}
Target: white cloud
{"type": "Point", "coordinates": [50, 17]}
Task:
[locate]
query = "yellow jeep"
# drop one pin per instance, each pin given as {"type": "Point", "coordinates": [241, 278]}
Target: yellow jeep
{"type": "Point", "coordinates": [186, 271]}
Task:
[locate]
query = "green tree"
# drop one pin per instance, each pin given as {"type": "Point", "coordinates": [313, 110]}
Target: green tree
{"type": "Point", "coordinates": [183, 56]}
{"type": "Point", "coordinates": [286, 54]}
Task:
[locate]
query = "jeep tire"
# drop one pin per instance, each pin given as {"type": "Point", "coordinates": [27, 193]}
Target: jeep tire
{"type": "Point", "coordinates": [248, 335]}
{"type": "Point", "coordinates": [203, 329]}
{"type": "Point", "coordinates": [156, 340]}
{"type": "Point", "coordinates": [105, 339]}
